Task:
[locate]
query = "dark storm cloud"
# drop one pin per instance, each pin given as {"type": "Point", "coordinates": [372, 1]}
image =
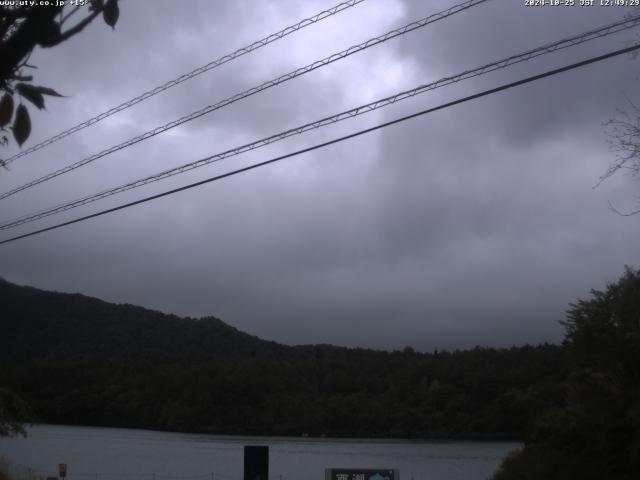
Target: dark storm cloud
{"type": "Point", "coordinates": [500, 29]}
{"type": "Point", "coordinates": [474, 225]}
{"type": "Point", "coordinates": [509, 181]}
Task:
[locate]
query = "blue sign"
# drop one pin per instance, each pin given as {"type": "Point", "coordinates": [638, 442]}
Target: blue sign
{"type": "Point", "coordinates": [361, 474]}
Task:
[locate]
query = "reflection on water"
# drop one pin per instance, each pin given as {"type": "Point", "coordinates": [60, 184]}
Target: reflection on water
{"type": "Point", "coordinates": [120, 454]}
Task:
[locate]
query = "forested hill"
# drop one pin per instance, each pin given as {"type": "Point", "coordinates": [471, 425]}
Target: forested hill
{"type": "Point", "coordinates": [38, 324]}
{"type": "Point", "coordinates": [79, 360]}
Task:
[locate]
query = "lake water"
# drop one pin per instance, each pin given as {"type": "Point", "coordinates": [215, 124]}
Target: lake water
{"type": "Point", "coordinates": [120, 454]}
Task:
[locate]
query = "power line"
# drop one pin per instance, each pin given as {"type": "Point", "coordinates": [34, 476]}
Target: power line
{"type": "Point", "coordinates": [252, 91]}
{"type": "Point", "coordinates": [187, 76]}
{"type": "Point", "coordinates": [335, 140]}
{"type": "Point", "coordinates": [362, 109]}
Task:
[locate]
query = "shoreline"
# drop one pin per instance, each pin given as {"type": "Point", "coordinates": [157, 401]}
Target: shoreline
{"type": "Point", "coordinates": [302, 437]}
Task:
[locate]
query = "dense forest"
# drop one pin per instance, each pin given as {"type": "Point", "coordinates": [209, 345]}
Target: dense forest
{"type": "Point", "coordinates": [595, 432]}
{"type": "Point", "coordinates": [79, 360]}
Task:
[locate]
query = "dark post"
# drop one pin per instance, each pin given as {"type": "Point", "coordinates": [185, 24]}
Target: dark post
{"type": "Point", "coordinates": [256, 462]}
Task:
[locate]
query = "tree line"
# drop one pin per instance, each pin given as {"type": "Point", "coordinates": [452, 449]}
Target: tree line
{"type": "Point", "coordinates": [78, 360]}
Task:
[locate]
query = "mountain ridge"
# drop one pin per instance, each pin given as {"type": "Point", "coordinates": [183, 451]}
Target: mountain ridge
{"type": "Point", "coordinates": [77, 325]}
{"type": "Point", "coordinates": [79, 360]}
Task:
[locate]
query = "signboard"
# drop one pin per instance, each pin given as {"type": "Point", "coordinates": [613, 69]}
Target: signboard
{"type": "Point", "coordinates": [361, 474]}
{"type": "Point", "coordinates": [62, 469]}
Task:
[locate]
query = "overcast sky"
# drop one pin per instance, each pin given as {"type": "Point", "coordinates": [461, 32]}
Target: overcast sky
{"type": "Point", "coordinates": [475, 225]}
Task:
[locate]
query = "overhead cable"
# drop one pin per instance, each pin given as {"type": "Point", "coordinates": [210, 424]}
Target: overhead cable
{"type": "Point", "coordinates": [187, 76]}
{"type": "Point", "coordinates": [252, 91]}
{"type": "Point", "coordinates": [484, 93]}
{"type": "Point", "coordinates": [360, 110]}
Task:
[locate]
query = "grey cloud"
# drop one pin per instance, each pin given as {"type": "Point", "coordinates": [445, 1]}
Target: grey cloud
{"type": "Point", "coordinates": [473, 225]}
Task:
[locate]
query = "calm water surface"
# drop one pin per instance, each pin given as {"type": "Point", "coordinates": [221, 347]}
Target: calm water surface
{"type": "Point", "coordinates": [120, 454]}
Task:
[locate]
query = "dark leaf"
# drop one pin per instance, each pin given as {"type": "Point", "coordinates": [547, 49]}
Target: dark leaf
{"type": "Point", "coordinates": [111, 13]}
{"type": "Point", "coordinates": [21, 125]}
{"type": "Point", "coordinates": [96, 5]}
{"type": "Point", "coordinates": [48, 33]}
{"type": "Point", "coordinates": [31, 93]}
{"type": "Point", "coordinates": [43, 90]}
{"type": "Point", "coordinates": [6, 109]}
{"type": "Point", "coordinates": [48, 91]}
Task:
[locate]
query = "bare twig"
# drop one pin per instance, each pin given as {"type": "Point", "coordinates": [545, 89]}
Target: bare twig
{"type": "Point", "coordinates": [68, 15]}
{"type": "Point", "coordinates": [622, 214]}
{"type": "Point", "coordinates": [78, 27]}
{"type": "Point", "coordinates": [624, 141]}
